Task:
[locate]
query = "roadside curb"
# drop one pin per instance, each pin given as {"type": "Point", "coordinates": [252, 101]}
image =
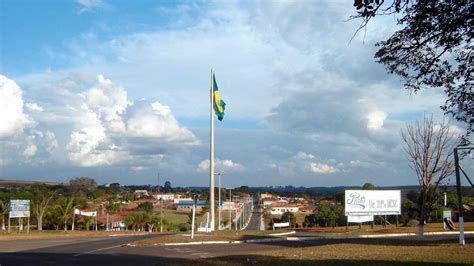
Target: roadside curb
{"type": "Point", "coordinates": [283, 234]}
{"type": "Point", "coordinates": [281, 239]}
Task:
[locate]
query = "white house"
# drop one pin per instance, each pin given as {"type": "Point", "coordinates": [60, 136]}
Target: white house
{"type": "Point", "coordinates": [165, 197]}
{"type": "Point", "coordinates": [141, 192]}
{"type": "Point", "coordinates": [267, 203]}
{"type": "Point", "coordinates": [282, 210]}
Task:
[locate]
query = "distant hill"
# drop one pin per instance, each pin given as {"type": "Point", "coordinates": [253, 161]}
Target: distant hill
{"type": "Point", "coordinates": [18, 183]}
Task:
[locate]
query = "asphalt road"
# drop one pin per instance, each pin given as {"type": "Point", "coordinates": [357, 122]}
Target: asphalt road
{"type": "Point", "coordinates": [113, 250]}
{"type": "Point", "coordinates": [256, 219]}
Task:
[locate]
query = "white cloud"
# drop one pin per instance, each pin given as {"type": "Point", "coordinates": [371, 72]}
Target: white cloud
{"type": "Point", "coordinates": [321, 168]}
{"type": "Point", "coordinates": [156, 121]}
{"type": "Point", "coordinates": [34, 107]}
{"type": "Point", "coordinates": [110, 129]}
{"type": "Point", "coordinates": [13, 120]}
{"type": "Point", "coordinates": [304, 163]}
{"type": "Point", "coordinates": [30, 150]}
{"type": "Point", "coordinates": [220, 166]}
{"type": "Point", "coordinates": [51, 141]}
{"type": "Point", "coordinates": [376, 120]}
{"type": "Point", "coordinates": [139, 168]}
{"type": "Point", "coordinates": [304, 156]}
{"type": "Point", "coordinates": [109, 101]}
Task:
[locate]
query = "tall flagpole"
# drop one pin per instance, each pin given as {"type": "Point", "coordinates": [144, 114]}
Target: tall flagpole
{"type": "Point", "coordinates": [211, 160]}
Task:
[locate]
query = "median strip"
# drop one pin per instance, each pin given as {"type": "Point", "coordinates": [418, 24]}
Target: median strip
{"type": "Point", "coordinates": [280, 239]}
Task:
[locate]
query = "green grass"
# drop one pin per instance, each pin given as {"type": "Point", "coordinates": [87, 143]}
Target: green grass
{"type": "Point", "coordinates": [174, 217]}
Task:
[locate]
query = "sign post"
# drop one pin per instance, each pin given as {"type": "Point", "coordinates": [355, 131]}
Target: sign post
{"type": "Point", "coordinates": [19, 209]}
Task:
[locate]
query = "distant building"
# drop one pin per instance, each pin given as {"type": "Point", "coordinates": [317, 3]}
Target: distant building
{"type": "Point", "coordinates": [165, 197]}
{"type": "Point", "coordinates": [186, 206]}
{"type": "Point", "coordinates": [307, 209]}
{"type": "Point", "coordinates": [267, 203]}
{"type": "Point", "coordinates": [282, 210]}
{"type": "Point", "coordinates": [141, 192]}
{"type": "Point", "coordinates": [177, 200]}
{"type": "Point", "coordinates": [266, 196]}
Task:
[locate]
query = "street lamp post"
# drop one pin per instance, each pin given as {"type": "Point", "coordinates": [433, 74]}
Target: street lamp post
{"type": "Point", "coordinates": [219, 202]}
{"type": "Point", "coordinates": [161, 205]}
{"type": "Point", "coordinates": [230, 209]}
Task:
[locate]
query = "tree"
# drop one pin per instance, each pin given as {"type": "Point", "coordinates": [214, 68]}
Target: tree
{"type": "Point", "coordinates": [433, 49]}
{"type": "Point", "coordinates": [429, 148]}
{"type": "Point", "coordinates": [289, 217]}
{"type": "Point", "coordinates": [146, 207]}
{"type": "Point", "coordinates": [40, 199]}
{"type": "Point", "coordinates": [330, 215]}
{"type": "Point", "coordinates": [368, 186]}
{"type": "Point", "coordinates": [168, 187]}
{"type": "Point", "coordinates": [65, 207]}
{"type": "Point", "coordinates": [310, 220]}
{"type": "Point", "coordinates": [81, 185]}
{"type": "Point", "coordinates": [3, 211]}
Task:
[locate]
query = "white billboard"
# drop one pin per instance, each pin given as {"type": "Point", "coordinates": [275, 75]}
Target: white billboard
{"type": "Point", "coordinates": [19, 208]}
{"type": "Point", "coordinates": [83, 213]}
{"type": "Point", "coordinates": [373, 202]}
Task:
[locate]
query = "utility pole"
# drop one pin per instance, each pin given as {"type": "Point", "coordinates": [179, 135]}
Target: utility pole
{"type": "Point", "coordinates": [457, 169]}
{"type": "Point", "coordinates": [161, 205]}
{"type": "Point", "coordinates": [219, 206]}
{"type": "Point", "coordinates": [230, 209]}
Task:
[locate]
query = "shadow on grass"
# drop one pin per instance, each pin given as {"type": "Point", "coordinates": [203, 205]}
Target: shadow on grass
{"type": "Point", "coordinates": [126, 259]}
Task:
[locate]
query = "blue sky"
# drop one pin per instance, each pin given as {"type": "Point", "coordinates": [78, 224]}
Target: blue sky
{"type": "Point", "coordinates": [118, 91]}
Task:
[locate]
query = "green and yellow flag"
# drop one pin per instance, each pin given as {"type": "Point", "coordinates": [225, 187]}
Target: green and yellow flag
{"type": "Point", "coordinates": [219, 105]}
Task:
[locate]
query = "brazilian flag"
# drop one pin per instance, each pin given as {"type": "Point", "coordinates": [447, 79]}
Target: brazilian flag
{"type": "Point", "coordinates": [219, 105]}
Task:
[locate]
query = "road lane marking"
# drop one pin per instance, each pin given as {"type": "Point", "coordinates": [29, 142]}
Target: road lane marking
{"type": "Point", "coordinates": [95, 250]}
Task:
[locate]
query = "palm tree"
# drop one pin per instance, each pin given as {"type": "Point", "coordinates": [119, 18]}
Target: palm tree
{"type": "Point", "coordinates": [3, 211]}
{"type": "Point", "coordinates": [65, 207]}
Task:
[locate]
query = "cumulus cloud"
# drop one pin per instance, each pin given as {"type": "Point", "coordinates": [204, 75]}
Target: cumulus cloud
{"type": "Point", "coordinates": [30, 150]}
{"type": "Point", "coordinates": [220, 165]}
{"type": "Point", "coordinates": [306, 163]}
{"type": "Point", "coordinates": [107, 119]}
{"type": "Point", "coordinates": [109, 101]}
{"type": "Point", "coordinates": [156, 121]}
{"type": "Point", "coordinates": [321, 168]}
{"type": "Point", "coordinates": [13, 120]}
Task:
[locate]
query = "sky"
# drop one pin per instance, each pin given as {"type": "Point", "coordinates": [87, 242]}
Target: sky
{"type": "Point", "coordinates": [119, 91]}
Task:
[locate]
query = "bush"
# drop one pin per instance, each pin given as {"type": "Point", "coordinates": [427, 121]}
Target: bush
{"type": "Point", "coordinates": [413, 223]}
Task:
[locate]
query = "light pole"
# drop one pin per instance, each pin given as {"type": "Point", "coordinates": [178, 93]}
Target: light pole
{"type": "Point", "coordinates": [230, 209]}
{"type": "Point", "coordinates": [161, 205]}
{"type": "Point", "coordinates": [219, 202]}
{"type": "Point", "coordinates": [195, 198]}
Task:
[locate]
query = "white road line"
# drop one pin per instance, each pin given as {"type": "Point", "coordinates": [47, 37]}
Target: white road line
{"type": "Point", "coordinates": [95, 250]}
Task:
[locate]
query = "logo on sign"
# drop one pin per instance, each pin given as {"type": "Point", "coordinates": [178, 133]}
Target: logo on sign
{"type": "Point", "coordinates": [355, 200]}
